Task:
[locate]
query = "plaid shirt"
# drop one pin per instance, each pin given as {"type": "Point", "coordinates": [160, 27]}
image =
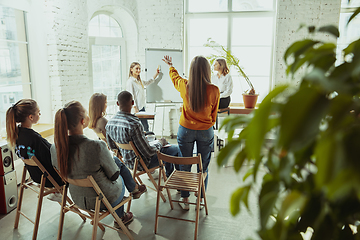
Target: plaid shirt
{"type": "Point", "coordinates": [125, 127]}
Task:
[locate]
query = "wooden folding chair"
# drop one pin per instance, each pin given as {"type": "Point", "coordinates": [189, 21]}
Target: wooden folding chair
{"type": "Point", "coordinates": [41, 190]}
{"type": "Point", "coordinates": [95, 215]}
{"type": "Point", "coordinates": [137, 174]}
{"type": "Point", "coordinates": [185, 181]}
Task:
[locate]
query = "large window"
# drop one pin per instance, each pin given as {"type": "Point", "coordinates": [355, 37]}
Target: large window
{"type": "Point", "coordinates": [14, 70]}
{"type": "Point", "coordinates": [348, 33]}
{"type": "Point", "coordinates": [244, 26]}
{"type": "Point", "coordinates": [107, 48]}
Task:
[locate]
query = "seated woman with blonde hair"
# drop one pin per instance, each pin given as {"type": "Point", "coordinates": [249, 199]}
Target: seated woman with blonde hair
{"type": "Point", "coordinates": [97, 122]}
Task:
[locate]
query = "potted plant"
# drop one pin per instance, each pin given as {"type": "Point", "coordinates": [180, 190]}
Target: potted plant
{"type": "Point", "coordinates": [311, 183]}
{"type": "Point", "coordinates": [249, 96]}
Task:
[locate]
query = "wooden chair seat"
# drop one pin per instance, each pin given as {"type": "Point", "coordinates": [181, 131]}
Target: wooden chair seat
{"type": "Point", "coordinates": [95, 215]}
{"type": "Point", "coordinates": [181, 180]}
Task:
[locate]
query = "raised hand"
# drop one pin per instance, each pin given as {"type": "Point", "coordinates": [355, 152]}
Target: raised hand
{"type": "Point", "coordinates": [168, 60]}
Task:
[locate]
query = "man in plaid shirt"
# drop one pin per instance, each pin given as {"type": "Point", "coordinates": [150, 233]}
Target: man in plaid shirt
{"type": "Point", "coordinates": [125, 127]}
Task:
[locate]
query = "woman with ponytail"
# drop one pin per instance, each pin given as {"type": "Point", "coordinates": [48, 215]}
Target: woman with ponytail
{"type": "Point", "coordinates": [76, 157]}
{"type": "Point", "coordinates": [19, 120]}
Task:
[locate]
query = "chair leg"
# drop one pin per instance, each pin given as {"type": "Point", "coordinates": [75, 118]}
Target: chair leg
{"type": "Point", "coordinates": [129, 205]}
{"type": "Point", "coordinates": [38, 211]}
{"type": "Point", "coordinates": [155, 185]}
{"type": "Point", "coordinates": [204, 194]}
{"type": "Point", "coordinates": [96, 218]}
{"type": "Point", "coordinates": [71, 202]}
{"type": "Point", "coordinates": [62, 213]}
{"type": "Point", "coordinates": [157, 212]}
{"type": "Point", "coordinates": [197, 213]}
{"type": "Point", "coordinates": [21, 194]}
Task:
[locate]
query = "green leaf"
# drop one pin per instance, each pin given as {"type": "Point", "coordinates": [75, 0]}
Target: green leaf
{"type": "Point", "coordinates": [241, 194]}
{"type": "Point", "coordinates": [258, 126]}
{"type": "Point", "coordinates": [248, 173]}
{"type": "Point", "coordinates": [267, 199]}
{"type": "Point", "coordinates": [294, 201]}
{"type": "Point", "coordinates": [239, 160]}
{"type": "Point", "coordinates": [301, 118]}
{"type": "Point", "coordinates": [228, 152]}
{"type": "Point", "coordinates": [357, 11]}
{"type": "Point", "coordinates": [298, 48]}
{"type": "Point", "coordinates": [327, 151]}
{"type": "Point", "coordinates": [331, 29]}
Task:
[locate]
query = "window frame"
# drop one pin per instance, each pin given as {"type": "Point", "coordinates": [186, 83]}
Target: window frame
{"type": "Point", "coordinates": [230, 15]}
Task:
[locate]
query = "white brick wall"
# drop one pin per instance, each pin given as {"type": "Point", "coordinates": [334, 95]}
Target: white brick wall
{"type": "Point", "coordinates": [67, 42]}
{"type": "Point", "coordinates": [292, 13]}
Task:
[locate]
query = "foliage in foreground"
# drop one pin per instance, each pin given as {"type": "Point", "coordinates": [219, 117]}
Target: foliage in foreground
{"type": "Point", "coordinates": [313, 167]}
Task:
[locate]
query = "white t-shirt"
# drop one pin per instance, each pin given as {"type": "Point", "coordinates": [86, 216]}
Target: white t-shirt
{"type": "Point", "coordinates": [134, 87]}
{"type": "Point", "coordinates": [224, 83]}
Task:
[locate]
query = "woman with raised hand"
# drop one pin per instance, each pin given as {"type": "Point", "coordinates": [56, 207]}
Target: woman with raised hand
{"type": "Point", "coordinates": [20, 119]}
{"type": "Point", "coordinates": [223, 81]}
{"type": "Point", "coordinates": [77, 156]}
{"type": "Point", "coordinates": [198, 114]}
{"type": "Point", "coordinates": [135, 86]}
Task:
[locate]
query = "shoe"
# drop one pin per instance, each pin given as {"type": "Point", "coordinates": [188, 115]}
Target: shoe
{"type": "Point", "coordinates": [139, 191]}
{"type": "Point", "coordinates": [184, 205]}
{"type": "Point", "coordinates": [126, 219]}
{"type": "Point", "coordinates": [201, 206]}
{"type": "Point", "coordinates": [155, 175]}
{"type": "Point", "coordinates": [56, 197]}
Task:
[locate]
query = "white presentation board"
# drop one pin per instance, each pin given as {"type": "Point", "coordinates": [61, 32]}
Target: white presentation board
{"type": "Point", "coordinates": [162, 90]}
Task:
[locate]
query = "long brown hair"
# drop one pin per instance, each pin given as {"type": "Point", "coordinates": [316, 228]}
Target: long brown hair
{"type": "Point", "coordinates": [96, 108]}
{"type": "Point", "coordinates": [133, 64]}
{"type": "Point", "coordinates": [223, 66]}
{"type": "Point", "coordinates": [199, 78]}
{"type": "Point", "coordinates": [18, 114]}
{"type": "Point", "coordinates": [66, 119]}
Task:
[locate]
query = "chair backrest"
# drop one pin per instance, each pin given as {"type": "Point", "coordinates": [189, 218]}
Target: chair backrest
{"type": "Point", "coordinates": [180, 160]}
{"type": "Point", "coordinates": [128, 146]}
{"type": "Point", "coordinates": [84, 182]}
{"type": "Point", "coordinates": [33, 161]}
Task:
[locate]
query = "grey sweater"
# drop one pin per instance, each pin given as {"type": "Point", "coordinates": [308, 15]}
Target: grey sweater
{"type": "Point", "coordinates": [91, 157]}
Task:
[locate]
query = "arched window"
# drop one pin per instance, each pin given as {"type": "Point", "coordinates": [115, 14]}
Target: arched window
{"type": "Point", "coordinates": [104, 26]}
{"type": "Point", "coordinates": [107, 58]}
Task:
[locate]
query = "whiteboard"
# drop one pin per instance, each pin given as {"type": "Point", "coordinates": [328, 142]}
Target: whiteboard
{"type": "Point", "coordinates": [162, 90]}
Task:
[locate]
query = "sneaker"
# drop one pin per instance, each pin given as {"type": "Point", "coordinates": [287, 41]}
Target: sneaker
{"type": "Point", "coordinates": [155, 175]}
{"type": "Point", "coordinates": [126, 219]}
{"type": "Point", "coordinates": [56, 197]}
{"type": "Point", "coordinates": [139, 191]}
{"type": "Point", "coordinates": [201, 206]}
{"type": "Point", "coordinates": [184, 205]}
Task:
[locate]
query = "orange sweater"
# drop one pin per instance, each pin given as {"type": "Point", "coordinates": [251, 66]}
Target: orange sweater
{"type": "Point", "coordinates": [189, 119]}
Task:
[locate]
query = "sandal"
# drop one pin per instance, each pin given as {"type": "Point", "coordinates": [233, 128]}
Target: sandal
{"type": "Point", "coordinates": [138, 192]}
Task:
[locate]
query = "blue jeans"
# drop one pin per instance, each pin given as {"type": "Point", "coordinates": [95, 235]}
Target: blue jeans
{"type": "Point", "coordinates": [144, 122]}
{"type": "Point", "coordinates": [204, 142]}
{"type": "Point", "coordinates": [120, 210]}
{"type": "Point", "coordinates": [126, 175]}
{"type": "Point", "coordinates": [173, 150]}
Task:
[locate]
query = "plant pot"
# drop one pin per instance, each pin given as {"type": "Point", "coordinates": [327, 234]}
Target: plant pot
{"type": "Point", "coordinates": [250, 100]}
